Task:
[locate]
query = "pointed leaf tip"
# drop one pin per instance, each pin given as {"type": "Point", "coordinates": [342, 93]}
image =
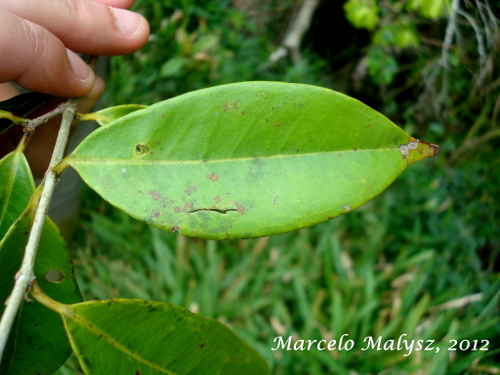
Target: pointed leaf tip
{"type": "Point", "coordinates": [416, 150]}
{"type": "Point", "coordinates": [435, 148]}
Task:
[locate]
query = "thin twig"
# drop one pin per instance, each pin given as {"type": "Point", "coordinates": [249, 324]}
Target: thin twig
{"type": "Point", "coordinates": [481, 49]}
{"type": "Point", "coordinates": [296, 30]}
{"type": "Point", "coordinates": [36, 122]}
{"type": "Point", "coordinates": [25, 276]}
{"type": "Point", "coordinates": [474, 142]}
{"type": "Point", "coordinates": [451, 30]}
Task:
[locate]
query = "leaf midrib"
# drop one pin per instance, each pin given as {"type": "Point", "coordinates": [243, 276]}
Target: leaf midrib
{"type": "Point", "coordinates": [70, 159]}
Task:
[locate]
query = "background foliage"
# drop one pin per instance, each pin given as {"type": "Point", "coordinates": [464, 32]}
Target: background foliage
{"type": "Point", "coordinates": [388, 268]}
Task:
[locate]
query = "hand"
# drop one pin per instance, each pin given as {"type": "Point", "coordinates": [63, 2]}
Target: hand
{"type": "Point", "coordinates": [38, 40]}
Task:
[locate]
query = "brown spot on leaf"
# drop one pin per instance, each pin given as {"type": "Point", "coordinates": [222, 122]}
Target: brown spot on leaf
{"type": "Point", "coordinates": [243, 112]}
{"type": "Point", "coordinates": [155, 195]}
{"type": "Point", "coordinates": [158, 143]}
{"type": "Point", "coordinates": [187, 207]}
{"type": "Point", "coordinates": [217, 199]}
{"type": "Point", "coordinates": [340, 154]}
{"type": "Point", "coordinates": [214, 177]}
{"type": "Point", "coordinates": [157, 214]}
{"type": "Point", "coordinates": [225, 107]}
{"type": "Point", "coordinates": [177, 209]}
{"type": "Point", "coordinates": [278, 124]}
{"type": "Point", "coordinates": [190, 190]}
{"type": "Point", "coordinates": [234, 105]}
{"type": "Point", "coordinates": [240, 208]}
{"type": "Point", "coordinates": [368, 126]}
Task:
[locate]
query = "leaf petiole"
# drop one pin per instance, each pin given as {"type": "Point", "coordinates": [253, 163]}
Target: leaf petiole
{"type": "Point", "coordinates": [45, 300]}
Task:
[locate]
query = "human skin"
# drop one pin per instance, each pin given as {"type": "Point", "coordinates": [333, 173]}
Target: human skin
{"type": "Point", "coordinates": [40, 40]}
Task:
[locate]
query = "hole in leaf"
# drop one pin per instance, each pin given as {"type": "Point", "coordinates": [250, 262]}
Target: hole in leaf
{"type": "Point", "coordinates": [141, 149]}
{"type": "Point", "coordinates": [54, 276]}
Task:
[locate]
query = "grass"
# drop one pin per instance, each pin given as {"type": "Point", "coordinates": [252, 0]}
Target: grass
{"type": "Point", "coordinates": [405, 263]}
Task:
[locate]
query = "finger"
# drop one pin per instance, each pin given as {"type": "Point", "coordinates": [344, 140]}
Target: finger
{"type": "Point", "coordinates": [7, 91]}
{"type": "Point", "coordinates": [38, 61]}
{"type": "Point", "coordinates": [124, 4]}
{"type": "Point", "coordinates": [84, 26]}
{"type": "Point", "coordinates": [91, 98]}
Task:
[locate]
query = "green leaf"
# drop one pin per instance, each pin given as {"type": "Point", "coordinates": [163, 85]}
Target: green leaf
{"type": "Point", "coordinates": [246, 160]}
{"type": "Point", "coordinates": [143, 337]}
{"type": "Point", "coordinates": [21, 106]}
{"type": "Point", "coordinates": [173, 67]}
{"type": "Point", "coordinates": [363, 14]}
{"type": "Point", "coordinates": [107, 115]}
{"type": "Point", "coordinates": [401, 33]}
{"type": "Point", "coordinates": [429, 8]}
{"type": "Point", "coordinates": [16, 188]}
{"type": "Point", "coordinates": [382, 67]}
{"type": "Point", "coordinates": [37, 343]}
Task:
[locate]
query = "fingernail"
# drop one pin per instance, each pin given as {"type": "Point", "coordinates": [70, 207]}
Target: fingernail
{"type": "Point", "coordinates": [127, 22]}
{"type": "Point", "coordinates": [80, 68]}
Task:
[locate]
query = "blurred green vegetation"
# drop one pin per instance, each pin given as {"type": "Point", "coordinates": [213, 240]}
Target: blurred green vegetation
{"type": "Point", "coordinates": [422, 259]}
